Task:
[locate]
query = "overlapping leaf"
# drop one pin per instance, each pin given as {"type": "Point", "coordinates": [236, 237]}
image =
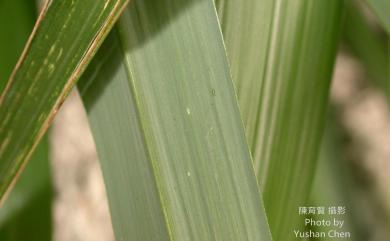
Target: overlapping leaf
{"type": "Point", "coordinates": [65, 38]}
{"type": "Point", "coordinates": [168, 131]}
{"type": "Point", "coordinates": [26, 214]}
{"type": "Point", "coordinates": [281, 55]}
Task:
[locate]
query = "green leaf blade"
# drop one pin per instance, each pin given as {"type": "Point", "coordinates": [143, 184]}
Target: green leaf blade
{"type": "Point", "coordinates": [103, 99]}
{"type": "Point", "coordinates": [180, 103]}
{"type": "Point", "coordinates": [26, 215]}
{"type": "Point", "coordinates": [282, 66]}
{"type": "Point", "coordinates": [65, 38]}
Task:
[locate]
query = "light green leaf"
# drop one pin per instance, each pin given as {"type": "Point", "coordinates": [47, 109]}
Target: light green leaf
{"type": "Point", "coordinates": [168, 131]}
{"type": "Point", "coordinates": [65, 38]}
{"type": "Point", "coordinates": [281, 55]}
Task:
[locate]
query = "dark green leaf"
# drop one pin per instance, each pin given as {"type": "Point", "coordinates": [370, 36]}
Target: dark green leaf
{"type": "Point", "coordinates": [65, 38]}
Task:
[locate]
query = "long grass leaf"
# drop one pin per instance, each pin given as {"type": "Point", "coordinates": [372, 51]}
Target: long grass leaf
{"type": "Point", "coordinates": [282, 54]}
{"type": "Point", "coordinates": [65, 38]}
{"type": "Point", "coordinates": [26, 215]}
{"type": "Point", "coordinates": [168, 131]}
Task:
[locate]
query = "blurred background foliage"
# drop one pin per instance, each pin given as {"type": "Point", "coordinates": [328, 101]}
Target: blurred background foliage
{"type": "Point", "coordinates": [354, 161]}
